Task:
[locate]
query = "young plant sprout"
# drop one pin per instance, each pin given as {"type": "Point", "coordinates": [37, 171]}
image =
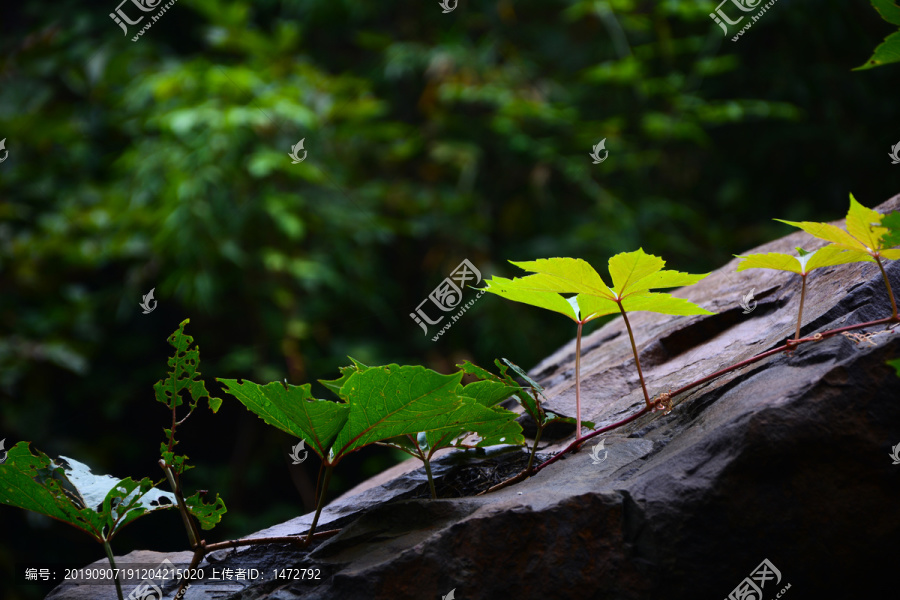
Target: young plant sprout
{"type": "Point", "coordinates": [493, 424]}
{"type": "Point", "coordinates": [802, 265]}
{"type": "Point", "coordinates": [633, 274]}
{"type": "Point", "coordinates": [528, 400]}
{"type": "Point", "coordinates": [864, 239]}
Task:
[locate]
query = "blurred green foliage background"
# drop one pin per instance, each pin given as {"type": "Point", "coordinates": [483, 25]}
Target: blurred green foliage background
{"type": "Point", "coordinates": [431, 138]}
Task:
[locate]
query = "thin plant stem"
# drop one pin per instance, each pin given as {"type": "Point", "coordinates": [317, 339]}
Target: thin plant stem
{"type": "Point", "coordinates": [790, 344]}
{"type": "Point", "coordinates": [637, 361]}
{"type": "Point", "coordinates": [802, 298]}
{"type": "Point", "coordinates": [888, 285]}
{"type": "Point", "coordinates": [578, 381]}
{"type": "Point", "coordinates": [189, 525]}
{"type": "Point", "coordinates": [427, 464]}
{"type": "Point", "coordinates": [321, 502]}
{"type": "Point", "coordinates": [537, 438]}
{"type": "Point", "coordinates": [112, 564]}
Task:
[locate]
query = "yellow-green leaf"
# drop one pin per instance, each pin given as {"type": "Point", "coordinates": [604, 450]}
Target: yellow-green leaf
{"type": "Point", "coordinates": [628, 268]}
{"type": "Point", "coordinates": [509, 289]}
{"type": "Point", "coordinates": [863, 224]}
{"type": "Point", "coordinates": [864, 230]}
{"type": "Point", "coordinates": [666, 304]}
{"type": "Point", "coordinates": [806, 262]}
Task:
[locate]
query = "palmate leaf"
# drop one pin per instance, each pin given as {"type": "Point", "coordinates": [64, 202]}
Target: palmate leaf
{"type": "Point", "coordinates": [184, 374]}
{"type": "Point", "coordinates": [335, 385]}
{"type": "Point", "coordinates": [478, 414]}
{"type": "Point", "coordinates": [633, 275]}
{"type": "Point", "coordinates": [802, 264]}
{"type": "Point", "coordinates": [531, 406]}
{"type": "Point", "coordinates": [208, 514]}
{"type": "Point", "coordinates": [66, 490]}
{"type": "Point", "coordinates": [889, 50]}
{"type": "Point", "coordinates": [394, 400]}
{"type": "Point", "coordinates": [294, 410]}
{"type": "Point", "coordinates": [864, 235]}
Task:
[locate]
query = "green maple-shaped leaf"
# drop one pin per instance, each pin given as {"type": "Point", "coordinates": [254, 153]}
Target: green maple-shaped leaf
{"type": "Point", "coordinates": [294, 410]}
{"type": "Point", "coordinates": [208, 514]}
{"type": "Point", "coordinates": [889, 50]}
{"type": "Point", "coordinates": [478, 414]}
{"type": "Point", "coordinates": [335, 385]}
{"type": "Point", "coordinates": [633, 275]}
{"type": "Point", "coordinates": [863, 238]}
{"type": "Point", "coordinates": [184, 374]}
{"type": "Point", "coordinates": [394, 400]}
{"type": "Point", "coordinates": [66, 490]}
{"type": "Point", "coordinates": [801, 264]}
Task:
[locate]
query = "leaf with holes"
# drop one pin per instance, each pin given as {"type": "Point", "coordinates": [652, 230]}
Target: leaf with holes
{"type": "Point", "coordinates": [66, 490]}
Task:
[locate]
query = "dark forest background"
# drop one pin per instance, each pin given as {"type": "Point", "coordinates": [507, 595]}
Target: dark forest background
{"type": "Point", "coordinates": [431, 138]}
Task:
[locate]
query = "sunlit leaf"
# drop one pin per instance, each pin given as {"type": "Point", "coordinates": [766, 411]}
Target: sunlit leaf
{"type": "Point", "coordinates": [804, 263]}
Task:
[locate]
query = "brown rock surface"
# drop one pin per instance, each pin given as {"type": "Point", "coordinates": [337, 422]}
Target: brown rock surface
{"type": "Point", "coordinates": [785, 459]}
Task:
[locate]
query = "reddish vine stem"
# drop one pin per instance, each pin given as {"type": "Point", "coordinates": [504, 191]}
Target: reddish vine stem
{"type": "Point", "coordinates": [802, 298]}
{"type": "Point", "coordinates": [789, 344]}
{"type": "Point", "coordinates": [637, 361]}
{"type": "Point", "coordinates": [887, 283]}
{"type": "Point", "coordinates": [578, 381]}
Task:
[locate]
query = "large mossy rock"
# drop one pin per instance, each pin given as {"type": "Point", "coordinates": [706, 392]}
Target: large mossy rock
{"type": "Point", "coordinates": [785, 460]}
